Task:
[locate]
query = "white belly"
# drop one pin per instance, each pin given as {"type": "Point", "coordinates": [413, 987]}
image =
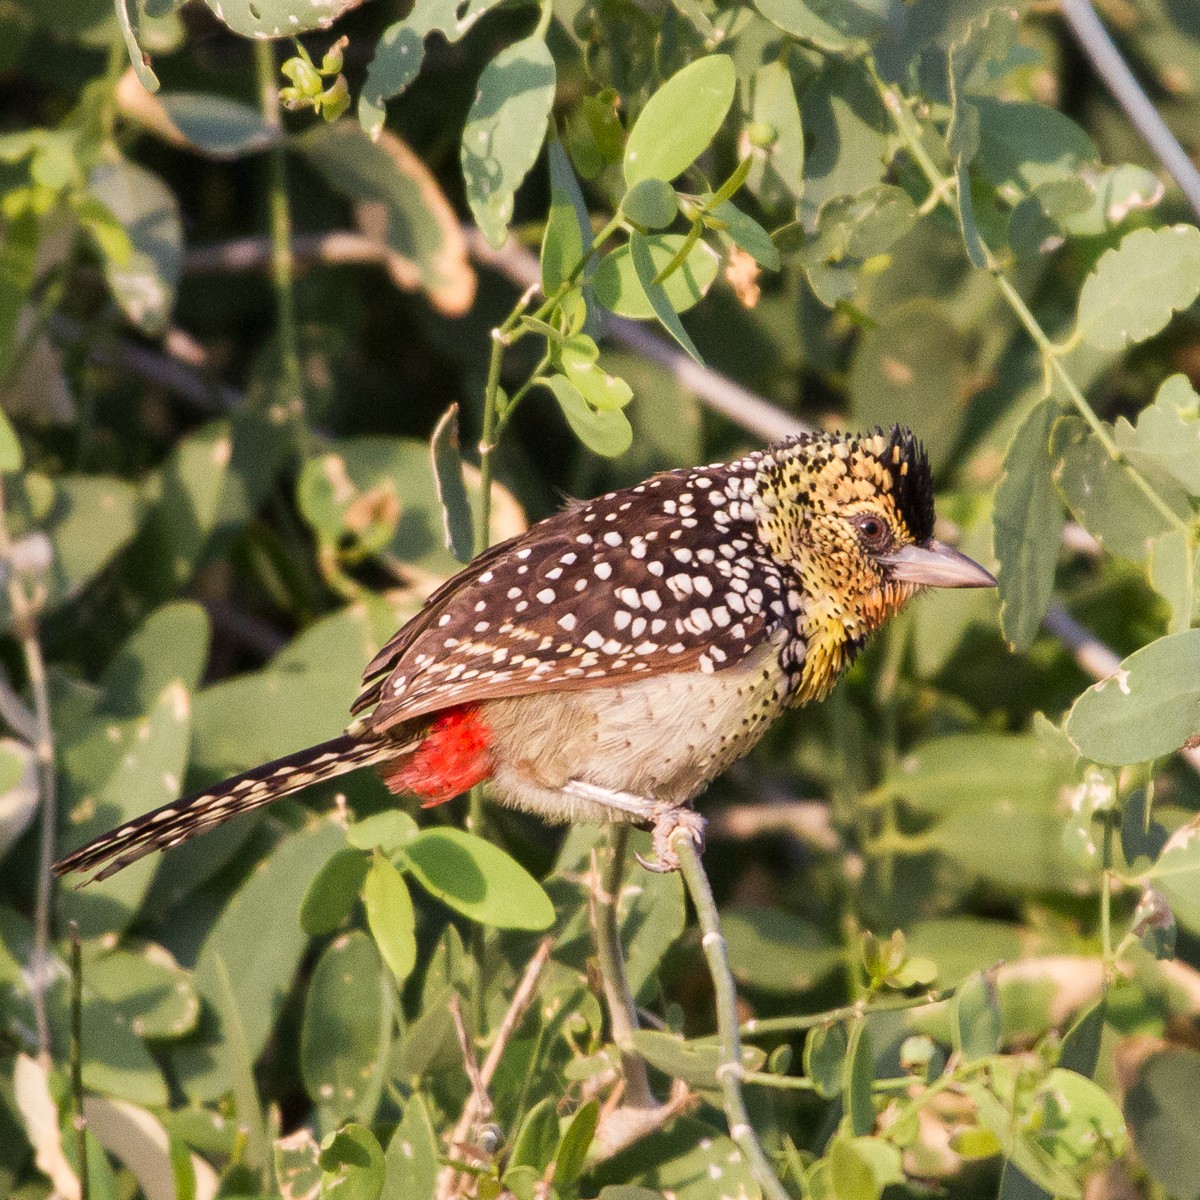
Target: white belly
{"type": "Point", "coordinates": [663, 738]}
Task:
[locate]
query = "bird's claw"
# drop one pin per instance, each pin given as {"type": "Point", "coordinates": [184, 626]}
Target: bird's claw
{"type": "Point", "coordinates": [664, 859]}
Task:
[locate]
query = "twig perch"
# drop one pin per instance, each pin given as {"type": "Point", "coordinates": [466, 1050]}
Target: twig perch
{"type": "Point", "coordinates": [730, 1071]}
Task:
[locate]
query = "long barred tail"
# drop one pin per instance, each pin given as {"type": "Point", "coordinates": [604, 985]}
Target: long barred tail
{"type": "Point", "coordinates": [191, 816]}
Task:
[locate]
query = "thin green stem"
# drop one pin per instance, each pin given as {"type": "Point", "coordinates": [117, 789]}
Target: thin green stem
{"type": "Point", "coordinates": [280, 219]}
{"type": "Point", "coordinates": [79, 1120]}
{"type": "Point", "coordinates": [770, 1025]}
{"type": "Point", "coordinates": [730, 1070]}
{"type": "Point", "coordinates": [24, 606]}
{"type": "Point", "coordinates": [1106, 882]}
{"type": "Point", "coordinates": [944, 188]}
{"type": "Point", "coordinates": [622, 1009]}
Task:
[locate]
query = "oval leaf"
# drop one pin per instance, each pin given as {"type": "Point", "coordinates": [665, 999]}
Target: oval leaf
{"type": "Point", "coordinates": [680, 120]}
{"type": "Point", "coordinates": [505, 130]}
{"type": "Point", "coordinates": [1136, 287]}
{"type": "Point", "coordinates": [1149, 707]}
{"type": "Point", "coordinates": [391, 917]}
{"type": "Point", "coordinates": [478, 880]}
{"type": "Point", "coordinates": [616, 280]}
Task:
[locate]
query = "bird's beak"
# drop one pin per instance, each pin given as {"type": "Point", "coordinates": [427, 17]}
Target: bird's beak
{"type": "Point", "coordinates": [936, 565]}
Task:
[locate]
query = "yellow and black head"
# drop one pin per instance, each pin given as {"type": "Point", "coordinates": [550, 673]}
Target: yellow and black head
{"type": "Point", "coordinates": [851, 516]}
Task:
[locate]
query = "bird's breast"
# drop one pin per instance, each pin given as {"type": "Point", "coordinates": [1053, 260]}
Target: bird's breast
{"type": "Point", "coordinates": [662, 738]}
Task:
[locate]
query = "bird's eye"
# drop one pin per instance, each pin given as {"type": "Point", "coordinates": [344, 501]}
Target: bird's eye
{"type": "Point", "coordinates": [873, 532]}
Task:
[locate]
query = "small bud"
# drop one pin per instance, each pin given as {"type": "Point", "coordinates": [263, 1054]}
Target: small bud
{"type": "Point", "coordinates": [331, 64]}
{"type": "Point", "coordinates": [916, 1053]}
{"type": "Point", "coordinates": [762, 135]}
{"type": "Point", "coordinates": [304, 75]}
{"type": "Point", "coordinates": [334, 100]}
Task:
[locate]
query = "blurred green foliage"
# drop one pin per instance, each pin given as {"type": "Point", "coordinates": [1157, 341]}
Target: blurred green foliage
{"type": "Point", "coordinates": [241, 356]}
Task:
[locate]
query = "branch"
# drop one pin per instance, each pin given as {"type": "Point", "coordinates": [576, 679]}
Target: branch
{"type": "Point", "coordinates": [604, 895]}
{"type": "Point", "coordinates": [1111, 66]}
{"type": "Point", "coordinates": [730, 1070]}
{"type": "Point", "coordinates": [448, 1176]}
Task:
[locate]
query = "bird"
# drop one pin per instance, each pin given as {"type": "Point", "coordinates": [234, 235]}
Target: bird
{"type": "Point", "coordinates": [609, 662]}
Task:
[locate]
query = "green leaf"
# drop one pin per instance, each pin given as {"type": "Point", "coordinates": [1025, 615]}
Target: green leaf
{"type": "Point", "coordinates": [690, 1159]}
{"type": "Point", "coordinates": [656, 295]}
{"type": "Point", "coordinates": [568, 229]}
{"type": "Point", "coordinates": [604, 432]}
{"type": "Point", "coordinates": [1013, 768]}
{"type": "Point", "coordinates": [695, 1062]}
{"type": "Point", "coordinates": [651, 203]}
{"type": "Point", "coordinates": [829, 27]}
{"type": "Point", "coordinates": [537, 1138]}
{"type": "Point", "coordinates": [353, 1165]}
{"type": "Point", "coordinates": [976, 1018]}
{"type": "Point", "coordinates": [824, 1058]}
{"type": "Point", "coordinates": [277, 18]}
{"type": "Point", "coordinates": [144, 285]}
{"type": "Point", "coordinates": [576, 1141]}
{"type": "Point", "coordinates": [386, 831]}
{"type": "Point", "coordinates": [451, 490]}
{"type": "Point", "coordinates": [505, 130]}
{"type": "Point", "coordinates": [1166, 438]}
{"type": "Point", "coordinates": [861, 1167]}
{"type": "Point", "coordinates": [617, 285]}
{"type": "Point", "coordinates": [1137, 286]}
{"type": "Point", "coordinates": [1081, 1043]}
{"type": "Point", "coordinates": [11, 457]}
{"type": "Point", "coordinates": [1081, 1125]}
{"type": "Point", "coordinates": [852, 153]}
{"type": "Point", "coordinates": [170, 646]}
{"type": "Point", "coordinates": [602, 391]}
{"type": "Point", "coordinates": [910, 368]}
{"type": "Point", "coordinates": [332, 893]}
{"type": "Point", "coordinates": [1149, 707]}
{"type": "Point", "coordinates": [217, 126]}
{"type": "Point", "coordinates": [962, 945]}
{"type": "Point", "coordinates": [1023, 146]}
{"type": "Point", "coordinates": [116, 1064]}
{"type": "Point", "coordinates": [260, 943]}
{"type": "Point", "coordinates": [680, 120]}
{"type": "Point", "coordinates": [747, 234]}
{"type": "Point", "coordinates": [399, 203]}
{"type": "Point", "coordinates": [412, 1154]}
{"type": "Point", "coordinates": [1027, 523]}
{"type": "Point", "coordinates": [1176, 875]}
{"type": "Point", "coordinates": [858, 1073]}
{"type": "Point", "coordinates": [1160, 1108]}
{"type": "Point", "coordinates": [1173, 576]}
{"type": "Point", "coordinates": [1018, 848]}
{"type": "Point", "coordinates": [777, 173]}
{"type": "Point", "coordinates": [775, 950]}
{"type": "Point", "coordinates": [89, 519]}
{"type": "Point", "coordinates": [478, 880]}
{"type": "Point", "coordinates": [986, 40]}
{"type": "Point", "coordinates": [346, 1031]}
{"type": "Point", "coordinates": [401, 50]}
{"type": "Point", "coordinates": [145, 986]}
{"type": "Point", "coordinates": [297, 1166]}
{"type": "Point", "coordinates": [152, 753]}
{"type": "Point", "coordinates": [391, 917]}
{"type": "Point", "coordinates": [1102, 494]}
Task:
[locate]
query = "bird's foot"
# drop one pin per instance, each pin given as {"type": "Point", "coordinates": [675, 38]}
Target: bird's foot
{"type": "Point", "coordinates": [666, 824]}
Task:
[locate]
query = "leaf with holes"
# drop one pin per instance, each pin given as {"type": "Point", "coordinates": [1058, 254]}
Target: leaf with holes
{"type": "Point", "coordinates": [143, 284]}
{"type": "Point", "coordinates": [505, 130]}
{"type": "Point", "coordinates": [346, 1030]}
{"type": "Point", "coordinates": [1149, 707]}
{"type": "Point", "coordinates": [1137, 286]}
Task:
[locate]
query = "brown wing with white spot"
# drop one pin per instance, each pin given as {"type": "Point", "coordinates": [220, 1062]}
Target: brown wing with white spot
{"type": "Point", "coordinates": [661, 577]}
